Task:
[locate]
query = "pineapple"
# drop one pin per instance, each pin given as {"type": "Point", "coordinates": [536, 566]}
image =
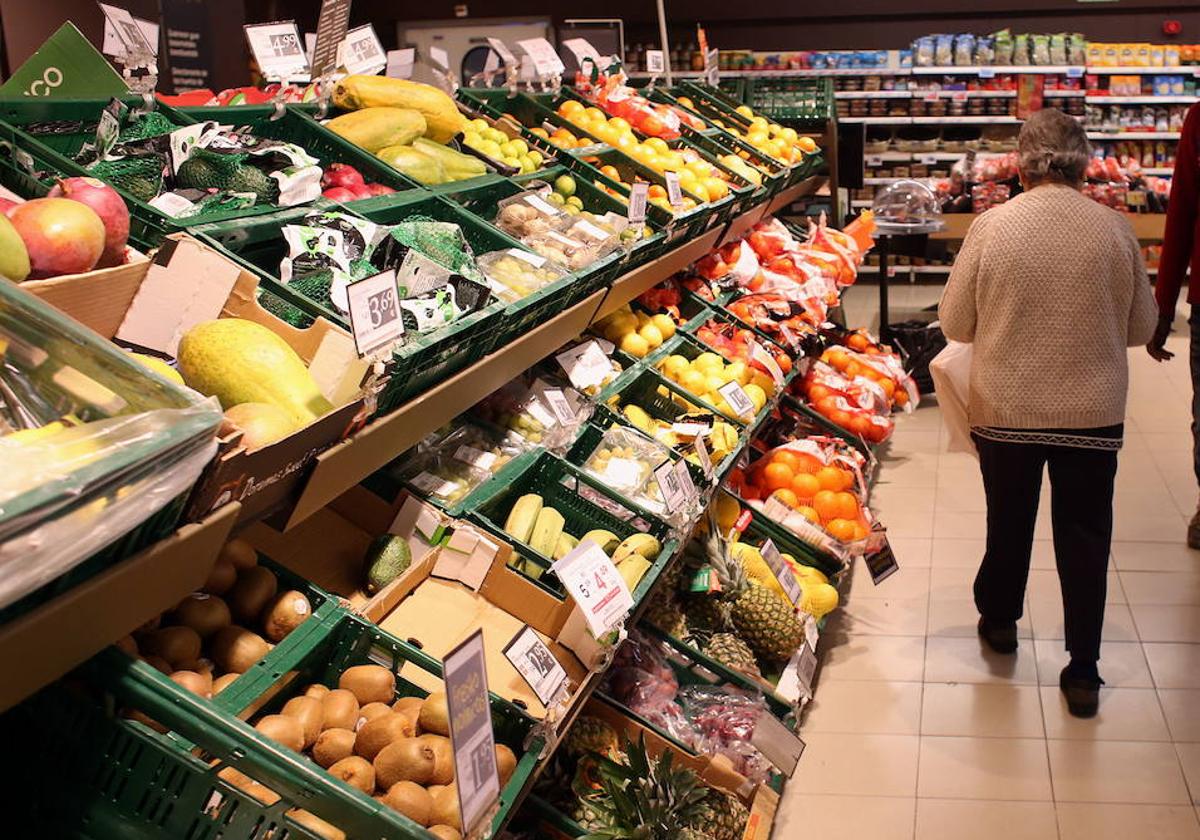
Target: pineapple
{"type": "Point", "coordinates": [761, 617]}
{"type": "Point", "coordinates": [591, 735]}
{"type": "Point", "coordinates": [723, 816]}
{"type": "Point", "coordinates": [733, 653]}
{"type": "Point", "coordinates": [665, 613]}
{"type": "Point", "coordinates": [671, 578]}
{"type": "Point", "coordinates": [707, 614]}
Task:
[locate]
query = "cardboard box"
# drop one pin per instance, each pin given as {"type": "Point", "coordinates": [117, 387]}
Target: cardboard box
{"type": "Point", "coordinates": [151, 303]}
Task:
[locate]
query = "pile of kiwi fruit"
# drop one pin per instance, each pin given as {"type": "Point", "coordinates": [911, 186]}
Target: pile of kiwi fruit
{"type": "Point", "coordinates": [206, 641]}
{"type": "Point", "coordinates": [397, 751]}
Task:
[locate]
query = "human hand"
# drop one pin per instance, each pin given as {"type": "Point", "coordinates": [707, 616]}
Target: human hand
{"type": "Point", "coordinates": [1157, 346]}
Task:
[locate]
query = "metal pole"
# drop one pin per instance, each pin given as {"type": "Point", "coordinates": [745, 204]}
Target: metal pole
{"type": "Point", "coordinates": [662, 34]}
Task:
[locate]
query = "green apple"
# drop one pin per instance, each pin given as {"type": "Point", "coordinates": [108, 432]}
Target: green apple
{"type": "Point", "coordinates": [564, 185]}
{"type": "Point", "coordinates": [14, 256]}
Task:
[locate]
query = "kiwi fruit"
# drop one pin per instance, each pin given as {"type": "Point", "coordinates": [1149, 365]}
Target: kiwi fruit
{"type": "Point", "coordinates": [221, 579]}
{"type": "Point", "coordinates": [315, 824]}
{"type": "Point", "coordinates": [411, 800]}
{"type": "Point", "coordinates": [127, 644]}
{"type": "Point", "coordinates": [369, 683]}
{"type": "Point", "coordinates": [223, 682]}
{"type": "Point", "coordinates": [200, 666]}
{"type": "Point", "coordinates": [311, 714]}
{"type": "Point", "coordinates": [201, 684]}
{"type": "Point", "coordinates": [435, 714]}
{"type": "Point", "coordinates": [158, 663]}
{"type": "Point", "coordinates": [255, 587]}
{"type": "Point", "coordinates": [404, 760]}
{"type": "Point", "coordinates": [247, 785]}
{"type": "Point", "coordinates": [204, 613]}
{"type": "Point", "coordinates": [445, 808]}
{"type": "Point", "coordinates": [378, 732]}
{"type": "Point", "coordinates": [287, 612]}
{"type": "Point", "coordinates": [355, 771]}
{"type": "Point", "coordinates": [410, 707]}
{"type": "Point", "coordinates": [316, 690]}
{"type": "Point", "coordinates": [332, 746]}
{"type": "Point", "coordinates": [177, 645]}
{"type": "Point", "coordinates": [239, 553]}
{"type": "Point", "coordinates": [369, 712]}
{"type": "Point", "coordinates": [506, 763]}
{"type": "Point", "coordinates": [340, 709]}
{"type": "Point", "coordinates": [443, 758]}
{"type": "Point", "coordinates": [445, 832]}
{"type": "Point", "coordinates": [237, 649]}
{"type": "Point", "coordinates": [286, 730]}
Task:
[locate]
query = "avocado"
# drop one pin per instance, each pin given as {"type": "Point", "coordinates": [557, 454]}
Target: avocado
{"type": "Point", "coordinates": [387, 558]}
{"type": "Point", "coordinates": [251, 179]}
{"type": "Point", "coordinates": [198, 173]}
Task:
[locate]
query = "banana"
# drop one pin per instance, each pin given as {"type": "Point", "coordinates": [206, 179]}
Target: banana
{"type": "Point", "coordinates": [639, 418]}
{"type": "Point", "coordinates": [632, 569]}
{"type": "Point", "coordinates": [546, 531]}
{"type": "Point", "coordinates": [646, 545]}
{"type": "Point", "coordinates": [522, 517]}
{"type": "Point", "coordinates": [565, 545]}
{"type": "Point", "coordinates": [607, 540]}
{"type": "Point", "coordinates": [527, 567]}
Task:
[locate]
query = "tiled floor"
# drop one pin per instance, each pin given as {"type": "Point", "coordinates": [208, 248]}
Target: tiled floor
{"type": "Point", "coordinates": [918, 734]}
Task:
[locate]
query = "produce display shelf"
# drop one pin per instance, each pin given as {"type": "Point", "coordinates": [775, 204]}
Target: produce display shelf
{"type": "Point", "coordinates": [876, 120]}
{"type": "Point", "coordinates": [82, 621]}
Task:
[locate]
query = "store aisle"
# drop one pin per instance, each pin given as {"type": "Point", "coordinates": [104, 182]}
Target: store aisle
{"type": "Point", "coordinates": [916, 734]}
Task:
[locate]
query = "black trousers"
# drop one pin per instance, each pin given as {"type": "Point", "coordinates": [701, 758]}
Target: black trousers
{"type": "Point", "coordinates": [1081, 482]}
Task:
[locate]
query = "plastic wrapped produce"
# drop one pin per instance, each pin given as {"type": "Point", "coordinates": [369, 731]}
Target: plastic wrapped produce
{"type": "Point", "coordinates": [514, 274]}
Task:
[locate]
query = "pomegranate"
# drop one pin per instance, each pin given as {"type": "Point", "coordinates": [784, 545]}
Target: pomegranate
{"type": "Point", "coordinates": [339, 194]}
{"type": "Point", "coordinates": [380, 189]}
{"type": "Point", "coordinates": [341, 175]}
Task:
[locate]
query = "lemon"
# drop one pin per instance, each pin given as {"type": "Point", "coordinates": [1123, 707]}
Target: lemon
{"type": "Point", "coordinates": [708, 363]}
{"type": "Point", "coordinates": [634, 345]}
{"type": "Point", "coordinates": [665, 326]}
{"type": "Point", "coordinates": [693, 380]}
{"type": "Point", "coordinates": [651, 334]}
{"type": "Point", "coordinates": [674, 365]}
{"type": "Point", "coordinates": [756, 395]}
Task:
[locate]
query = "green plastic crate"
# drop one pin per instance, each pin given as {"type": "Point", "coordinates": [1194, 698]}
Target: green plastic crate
{"type": "Point", "coordinates": [498, 102]}
{"type": "Point", "coordinates": [685, 345]}
{"type": "Point", "coordinates": [721, 315]}
{"type": "Point", "coordinates": [293, 125]}
{"type": "Point", "coordinates": [585, 504]}
{"type": "Point", "coordinates": [140, 786]}
{"type": "Point", "coordinates": [419, 364]}
{"type": "Point", "coordinates": [71, 123]}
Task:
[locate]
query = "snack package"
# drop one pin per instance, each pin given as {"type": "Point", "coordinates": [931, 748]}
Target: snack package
{"type": "Point", "coordinates": [964, 50]}
{"type": "Point", "coordinates": [446, 467]}
{"type": "Point", "coordinates": [529, 213]}
{"type": "Point", "coordinates": [1003, 46]}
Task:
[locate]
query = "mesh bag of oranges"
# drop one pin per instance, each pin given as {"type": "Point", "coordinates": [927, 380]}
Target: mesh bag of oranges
{"type": "Point", "coordinates": [813, 487]}
{"type": "Point", "coordinates": [875, 380]}
{"type": "Point", "coordinates": [854, 404]}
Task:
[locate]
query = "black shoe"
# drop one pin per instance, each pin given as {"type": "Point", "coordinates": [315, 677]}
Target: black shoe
{"type": "Point", "coordinates": [1001, 636]}
{"type": "Point", "coordinates": [1193, 531]}
{"type": "Point", "coordinates": [1082, 693]}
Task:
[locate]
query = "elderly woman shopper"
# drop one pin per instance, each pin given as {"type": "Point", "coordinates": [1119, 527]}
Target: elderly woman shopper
{"type": "Point", "coordinates": [1050, 289]}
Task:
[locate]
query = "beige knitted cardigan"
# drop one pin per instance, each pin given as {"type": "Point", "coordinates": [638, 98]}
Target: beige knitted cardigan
{"type": "Point", "coordinates": [1051, 289]}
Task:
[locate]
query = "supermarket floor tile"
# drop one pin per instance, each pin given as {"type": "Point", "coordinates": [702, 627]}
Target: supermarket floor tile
{"type": "Point", "coordinates": [918, 731]}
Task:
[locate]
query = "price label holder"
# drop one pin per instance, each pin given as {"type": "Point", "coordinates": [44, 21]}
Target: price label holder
{"type": "Point", "coordinates": [780, 745]}
{"type": "Point", "coordinates": [138, 57]}
{"type": "Point", "coordinates": [439, 63]}
{"type": "Point", "coordinates": [987, 72]}
{"type": "Point", "coordinates": [501, 58]}
{"type": "Point", "coordinates": [1074, 72]}
{"type": "Point", "coordinates": [362, 52]}
{"type": "Point", "coordinates": [471, 734]}
{"type": "Point", "coordinates": [560, 405]}
{"type": "Point", "coordinates": [547, 66]}
{"type": "Point", "coordinates": [400, 63]}
{"type": "Point", "coordinates": [678, 492]}
{"type": "Point", "coordinates": [638, 193]}
{"type": "Point", "coordinates": [782, 571]}
{"type": "Point", "coordinates": [655, 62]}
{"type": "Point", "coordinates": [706, 463]}
{"type": "Point", "coordinates": [279, 51]}
{"type": "Point", "coordinates": [874, 160]}
{"type": "Point", "coordinates": [536, 664]}
{"type": "Point", "coordinates": [929, 160]}
{"type": "Point", "coordinates": [332, 24]}
{"type": "Point", "coordinates": [586, 365]}
{"type": "Point", "coordinates": [712, 67]}
{"type": "Point", "coordinates": [881, 563]}
{"type": "Point", "coordinates": [375, 319]}
{"type": "Point", "coordinates": [674, 193]}
{"type": "Point", "coordinates": [759, 354]}
{"type": "Point", "coordinates": [584, 52]}
{"type": "Point", "coordinates": [593, 581]}
{"type": "Point", "coordinates": [738, 400]}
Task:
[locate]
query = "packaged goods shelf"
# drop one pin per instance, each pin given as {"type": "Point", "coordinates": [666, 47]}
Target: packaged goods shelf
{"type": "Point", "coordinates": [873, 94]}
{"type": "Point", "coordinates": [988, 70]}
{"type": "Point", "coordinates": [1092, 99]}
{"type": "Point", "coordinates": [1133, 135]}
{"type": "Point", "coordinates": [1149, 71]}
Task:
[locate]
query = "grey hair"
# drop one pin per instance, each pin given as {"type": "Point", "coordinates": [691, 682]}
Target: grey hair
{"type": "Point", "coordinates": [1052, 147]}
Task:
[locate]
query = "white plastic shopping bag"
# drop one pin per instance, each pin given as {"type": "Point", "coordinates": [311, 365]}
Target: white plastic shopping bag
{"type": "Point", "coordinates": [951, 372]}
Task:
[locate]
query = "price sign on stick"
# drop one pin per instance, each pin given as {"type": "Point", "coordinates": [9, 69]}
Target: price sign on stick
{"type": "Point", "coordinates": [738, 400]}
{"type": "Point", "coordinates": [331, 31]}
{"type": "Point", "coordinates": [596, 585]}
{"type": "Point", "coordinates": [400, 63]}
{"type": "Point", "coordinates": [586, 365]}
{"type": "Point", "coordinates": [545, 60]}
{"type": "Point", "coordinates": [655, 62]}
{"type": "Point", "coordinates": [278, 50]}
{"type": "Point", "coordinates": [375, 319]}
{"type": "Point", "coordinates": [702, 453]}
{"type": "Point", "coordinates": [637, 203]}
{"type": "Point", "coordinates": [501, 49]}
{"type": "Point", "coordinates": [536, 664]}
{"type": "Point", "coordinates": [712, 67]}
{"type": "Point", "coordinates": [674, 193]}
{"type": "Point", "coordinates": [881, 563]}
{"type": "Point", "coordinates": [674, 492]}
{"type": "Point", "coordinates": [583, 52]}
{"type": "Point", "coordinates": [440, 58]}
{"type": "Point", "coordinates": [362, 53]}
{"type": "Point", "coordinates": [780, 745]}
{"type": "Point", "coordinates": [471, 737]}
{"type": "Point", "coordinates": [132, 46]}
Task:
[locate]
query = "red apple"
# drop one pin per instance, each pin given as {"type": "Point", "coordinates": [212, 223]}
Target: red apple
{"type": "Point", "coordinates": [63, 236]}
{"type": "Point", "coordinates": [109, 206]}
{"type": "Point", "coordinates": [339, 194]}
{"type": "Point", "coordinates": [380, 189]}
{"type": "Point", "coordinates": [341, 175]}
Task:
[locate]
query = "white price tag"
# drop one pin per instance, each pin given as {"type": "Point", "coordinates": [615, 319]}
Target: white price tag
{"type": "Point", "coordinates": [375, 312]}
{"type": "Point", "coordinates": [655, 62]}
{"type": "Point", "coordinates": [132, 46]}
{"type": "Point", "coordinates": [586, 365]}
{"type": "Point", "coordinates": [278, 50]}
{"type": "Point", "coordinates": [874, 160]}
{"type": "Point", "coordinates": [678, 490]}
{"type": "Point", "coordinates": [811, 634]}
{"type": "Point", "coordinates": [760, 354]}
{"type": "Point", "coordinates": [712, 67]}
{"type": "Point", "coordinates": [589, 231]}
{"type": "Point", "coordinates": [536, 664]}
{"type": "Point", "coordinates": [542, 206]}
{"type": "Point", "coordinates": [560, 405]}
{"type": "Point", "coordinates": [583, 52]}
{"type": "Point", "coordinates": [362, 52]}
{"type": "Point", "coordinates": [775, 510]}
{"type": "Point", "coordinates": [638, 193]}
{"type": "Point", "coordinates": [783, 572]}
{"type": "Point", "coordinates": [535, 260]}
{"type": "Point", "coordinates": [501, 49]}
{"type": "Point", "coordinates": [691, 428]}
{"type": "Point", "coordinates": [928, 160]}
{"type": "Point", "coordinates": [674, 193]}
{"type": "Point", "coordinates": [596, 585]}
{"type": "Point", "coordinates": [739, 402]}
{"type": "Point", "coordinates": [541, 414]}
{"type": "Point", "coordinates": [780, 745]}
{"type": "Point", "coordinates": [475, 457]}
{"type": "Point", "coordinates": [706, 463]}
{"type": "Point", "coordinates": [624, 473]}
{"type": "Point", "coordinates": [440, 58]}
{"type": "Point", "coordinates": [987, 72]}
{"type": "Point", "coordinates": [1074, 72]}
{"type": "Point", "coordinates": [400, 63]}
{"type": "Point", "coordinates": [471, 734]}
{"type": "Point", "coordinates": [432, 484]}
{"type": "Point", "coordinates": [545, 60]}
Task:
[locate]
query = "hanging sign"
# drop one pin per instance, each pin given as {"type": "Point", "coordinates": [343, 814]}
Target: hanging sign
{"type": "Point", "coordinates": [278, 50]}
